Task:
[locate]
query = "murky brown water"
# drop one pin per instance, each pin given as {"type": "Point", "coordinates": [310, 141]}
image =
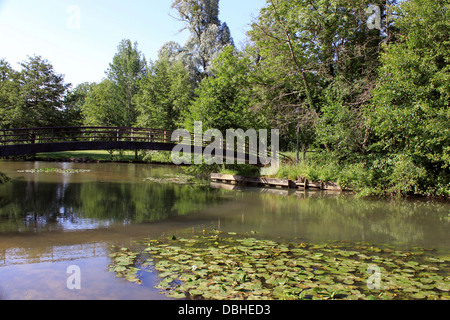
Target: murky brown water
{"type": "Point", "coordinates": [51, 221]}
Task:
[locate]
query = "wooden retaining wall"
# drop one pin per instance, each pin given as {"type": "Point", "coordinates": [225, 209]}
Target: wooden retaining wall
{"type": "Point", "coordinates": [300, 193]}
{"type": "Point", "coordinates": [301, 183]}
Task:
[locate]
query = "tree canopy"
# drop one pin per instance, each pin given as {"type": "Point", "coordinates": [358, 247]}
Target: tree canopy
{"type": "Point", "coordinates": [33, 96]}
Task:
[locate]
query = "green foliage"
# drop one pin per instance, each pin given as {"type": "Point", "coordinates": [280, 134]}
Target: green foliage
{"type": "Point", "coordinates": [158, 157]}
{"type": "Point", "coordinates": [101, 108]}
{"type": "Point", "coordinates": [73, 104]}
{"type": "Point", "coordinates": [208, 35]}
{"type": "Point", "coordinates": [313, 169]}
{"type": "Point", "coordinates": [88, 156]}
{"type": "Point", "coordinates": [166, 92]}
{"type": "Point", "coordinates": [223, 99]}
{"type": "Point", "coordinates": [323, 167]}
{"type": "Point", "coordinates": [241, 170]}
{"type": "Point", "coordinates": [355, 177]}
{"type": "Point", "coordinates": [33, 96]}
{"type": "Point", "coordinates": [342, 130]}
{"type": "Point", "coordinates": [410, 115]}
{"type": "Point", "coordinates": [127, 68]}
{"type": "Point", "coordinates": [406, 176]}
{"type": "Point", "coordinates": [9, 92]}
{"type": "Point", "coordinates": [111, 102]}
{"type": "Point", "coordinates": [202, 170]}
{"type": "Point", "coordinates": [379, 112]}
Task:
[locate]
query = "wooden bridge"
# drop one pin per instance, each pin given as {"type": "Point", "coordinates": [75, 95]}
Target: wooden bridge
{"type": "Point", "coordinates": [19, 142]}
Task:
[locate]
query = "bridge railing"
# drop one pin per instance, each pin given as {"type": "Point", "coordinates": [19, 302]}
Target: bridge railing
{"type": "Point", "coordinates": [88, 134]}
{"type": "Point", "coordinates": [50, 135]}
{"type": "Point", "coordinates": [82, 134]}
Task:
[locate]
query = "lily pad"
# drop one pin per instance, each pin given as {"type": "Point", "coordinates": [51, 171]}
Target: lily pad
{"type": "Point", "coordinates": [233, 266]}
{"type": "Point", "coordinates": [443, 286]}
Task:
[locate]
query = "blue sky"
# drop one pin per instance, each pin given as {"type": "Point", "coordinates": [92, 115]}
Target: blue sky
{"type": "Point", "coordinates": [80, 37]}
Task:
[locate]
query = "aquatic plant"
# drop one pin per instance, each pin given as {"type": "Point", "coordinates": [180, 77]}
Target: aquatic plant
{"type": "Point", "coordinates": [181, 179]}
{"type": "Point", "coordinates": [54, 170]}
{"type": "Point", "coordinates": [229, 266]}
{"type": "Point", "coordinates": [123, 265]}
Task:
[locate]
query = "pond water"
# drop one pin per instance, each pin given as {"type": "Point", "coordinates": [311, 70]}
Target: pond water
{"type": "Point", "coordinates": [51, 220]}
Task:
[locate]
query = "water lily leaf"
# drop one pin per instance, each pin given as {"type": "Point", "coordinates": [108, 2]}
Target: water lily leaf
{"type": "Point", "coordinates": [432, 259]}
{"type": "Point", "coordinates": [225, 266]}
{"type": "Point", "coordinates": [349, 281]}
{"type": "Point", "coordinates": [408, 270]}
{"type": "Point", "coordinates": [119, 269]}
{"type": "Point", "coordinates": [443, 286]}
{"type": "Point", "coordinates": [195, 292]}
{"type": "Point", "coordinates": [419, 295]}
{"type": "Point", "coordinates": [178, 295]}
{"type": "Point", "coordinates": [317, 256]}
{"type": "Point", "coordinates": [426, 280]}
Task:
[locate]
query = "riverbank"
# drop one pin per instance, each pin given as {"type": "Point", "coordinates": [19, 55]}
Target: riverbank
{"type": "Point", "coordinates": [95, 156]}
{"type": "Point", "coordinates": [318, 170]}
{"type": "Point", "coordinates": [362, 179]}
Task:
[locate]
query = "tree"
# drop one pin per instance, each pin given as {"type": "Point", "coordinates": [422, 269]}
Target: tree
{"type": "Point", "coordinates": [124, 73]}
{"type": "Point", "coordinates": [285, 59]}
{"type": "Point", "coordinates": [9, 92]}
{"type": "Point", "coordinates": [208, 34]}
{"type": "Point", "coordinates": [38, 95]}
{"type": "Point", "coordinates": [410, 115]}
{"type": "Point", "coordinates": [73, 104]}
{"type": "Point", "coordinates": [224, 99]}
{"type": "Point", "coordinates": [311, 54]}
{"type": "Point", "coordinates": [172, 50]}
{"type": "Point", "coordinates": [101, 108]}
{"type": "Point", "coordinates": [166, 92]}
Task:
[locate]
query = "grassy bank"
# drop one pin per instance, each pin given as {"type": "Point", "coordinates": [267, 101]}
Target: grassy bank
{"type": "Point", "coordinates": [86, 155]}
{"type": "Point", "coordinates": [378, 177]}
{"type": "Point", "coordinates": [354, 177]}
{"type": "Point", "coordinates": [105, 156]}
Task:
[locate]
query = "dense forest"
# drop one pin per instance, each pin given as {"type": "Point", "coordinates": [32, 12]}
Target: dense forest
{"type": "Point", "coordinates": [365, 98]}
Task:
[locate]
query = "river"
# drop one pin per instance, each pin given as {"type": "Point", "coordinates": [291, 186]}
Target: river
{"type": "Point", "coordinates": [55, 219]}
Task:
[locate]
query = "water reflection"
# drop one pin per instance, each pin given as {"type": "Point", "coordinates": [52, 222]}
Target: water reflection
{"type": "Point", "coordinates": [43, 206]}
{"type": "Point", "coordinates": [49, 221]}
{"type": "Point", "coordinates": [112, 195]}
{"type": "Point", "coordinates": [325, 216]}
{"type": "Point", "coordinates": [17, 256]}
